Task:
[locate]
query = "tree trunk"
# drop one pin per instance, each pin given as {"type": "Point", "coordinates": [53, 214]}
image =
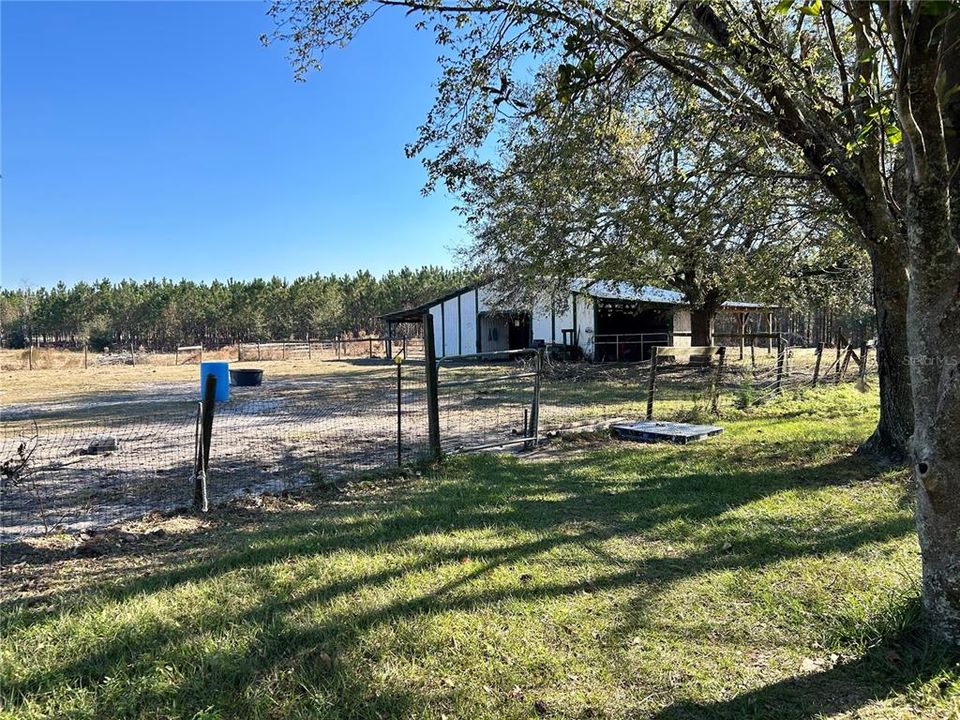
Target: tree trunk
{"type": "Point", "coordinates": [701, 326]}
{"type": "Point", "coordinates": [890, 291]}
{"type": "Point", "coordinates": [924, 49]}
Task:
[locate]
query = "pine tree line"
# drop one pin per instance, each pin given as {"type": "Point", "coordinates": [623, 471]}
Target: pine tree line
{"type": "Point", "coordinates": [161, 314]}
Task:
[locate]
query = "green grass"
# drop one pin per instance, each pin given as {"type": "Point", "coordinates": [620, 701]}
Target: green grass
{"type": "Point", "coordinates": [767, 573]}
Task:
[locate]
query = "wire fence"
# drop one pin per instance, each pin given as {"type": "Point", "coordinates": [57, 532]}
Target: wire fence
{"type": "Point", "coordinates": [94, 460]}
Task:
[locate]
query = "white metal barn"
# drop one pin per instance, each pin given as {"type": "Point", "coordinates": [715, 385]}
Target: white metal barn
{"type": "Point", "coordinates": [602, 321]}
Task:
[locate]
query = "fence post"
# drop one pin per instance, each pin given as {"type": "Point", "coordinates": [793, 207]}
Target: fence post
{"type": "Point", "coordinates": [200, 499]}
{"type": "Point", "coordinates": [846, 361]}
{"type": "Point", "coordinates": [715, 402]}
{"type": "Point", "coordinates": [399, 361]}
{"type": "Point", "coordinates": [533, 429]}
{"type": "Point", "coordinates": [239, 345]}
{"type": "Point", "coordinates": [816, 366]}
{"type": "Point", "coordinates": [433, 399]}
{"type": "Point", "coordinates": [85, 356]}
{"type": "Point", "coordinates": [780, 361]}
{"type": "Point", "coordinates": [837, 368]}
{"type": "Point", "coordinates": [283, 350]}
{"type": "Point", "coordinates": [753, 348]}
{"type": "Point", "coordinates": [864, 352]}
{"type": "Point", "coordinates": [652, 386]}
{"type": "Point", "coordinates": [176, 356]}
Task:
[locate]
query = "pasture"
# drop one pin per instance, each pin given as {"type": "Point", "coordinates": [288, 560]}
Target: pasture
{"type": "Point", "coordinates": [767, 573]}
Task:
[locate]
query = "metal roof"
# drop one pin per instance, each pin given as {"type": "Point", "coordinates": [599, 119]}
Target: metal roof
{"type": "Point", "coordinates": [596, 289]}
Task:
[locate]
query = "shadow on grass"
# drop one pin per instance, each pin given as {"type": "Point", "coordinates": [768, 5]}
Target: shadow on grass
{"type": "Point", "coordinates": [636, 494]}
{"type": "Point", "coordinates": [904, 660]}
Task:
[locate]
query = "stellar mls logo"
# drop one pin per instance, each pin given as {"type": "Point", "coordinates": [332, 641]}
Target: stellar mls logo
{"type": "Point", "coordinates": [932, 360]}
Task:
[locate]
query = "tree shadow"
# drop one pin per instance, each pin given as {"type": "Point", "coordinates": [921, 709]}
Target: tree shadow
{"type": "Point", "coordinates": [905, 659]}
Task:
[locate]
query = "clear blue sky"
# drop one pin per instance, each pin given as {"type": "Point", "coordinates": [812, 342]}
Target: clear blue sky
{"type": "Point", "coordinates": [161, 139]}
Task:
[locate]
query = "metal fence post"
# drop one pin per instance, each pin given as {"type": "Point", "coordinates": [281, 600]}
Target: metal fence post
{"type": "Point", "coordinates": [652, 387]}
{"type": "Point", "coordinates": [399, 361]}
{"type": "Point", "coordinates": [433, 399]}
{"type": "Point", "coordinates": [200, 498]}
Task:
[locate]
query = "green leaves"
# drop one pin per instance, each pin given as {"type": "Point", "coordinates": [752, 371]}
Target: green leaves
{"type": "Point", "coordinates": [783, 7]}
{"type": "Point", "coordinates": [893, 133]}
{"type": "Point", "coordinates": [814, 8]}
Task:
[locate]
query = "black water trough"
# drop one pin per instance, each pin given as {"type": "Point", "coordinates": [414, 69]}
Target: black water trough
{"type": "Point", "coordinates": [246, 377]}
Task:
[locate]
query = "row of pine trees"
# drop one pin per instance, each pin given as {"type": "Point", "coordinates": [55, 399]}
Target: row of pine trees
{"type": "Point", "coordinates": [161, 314]}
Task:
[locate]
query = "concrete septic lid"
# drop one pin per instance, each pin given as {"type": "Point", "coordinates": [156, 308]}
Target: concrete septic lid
{"type": "Point", "coordinates": [659, 431]}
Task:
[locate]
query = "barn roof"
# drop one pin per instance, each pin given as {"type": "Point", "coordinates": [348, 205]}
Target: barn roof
{"type": "Point", "coordinates": [596, 289]}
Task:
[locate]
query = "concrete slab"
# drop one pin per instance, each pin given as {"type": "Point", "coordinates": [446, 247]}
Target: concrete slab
{"type": "Point", "coordinates": [659, 431]}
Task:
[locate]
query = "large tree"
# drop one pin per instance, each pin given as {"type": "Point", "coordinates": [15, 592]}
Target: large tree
{"type": "Point", "coordinates": [808, 72]}
{"type": "Point", "coordinates": [646, 188]}
{"type": "Point", "coordinates": [841, 81]}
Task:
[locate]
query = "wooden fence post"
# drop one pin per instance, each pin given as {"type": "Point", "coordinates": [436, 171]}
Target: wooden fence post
{"type": "Point", "coordinates": [239, 345]}
{"type": "Point", "coordinates": [846, 362]}
{"type": "Point", "coordinates": [433, 399]}
{"type": "Point", "coordinates": [836, 370]}
{"type": "Point", "coordinates": [753, 348]}
{"type": "Point", "coordinates": [85, 356]}
{"type": "Point", "coordinates": [533, 429]}
{"type": "Point", "coordinates": [722, 354]}
{"type": "Point", "coordinates": [780, 363]}
{"type": "Point", "coordinates": [816, 366]}
{"type": "Point", "coordinates": [652, 386]}
{"type": "Point", "coordinates": [864, 352]}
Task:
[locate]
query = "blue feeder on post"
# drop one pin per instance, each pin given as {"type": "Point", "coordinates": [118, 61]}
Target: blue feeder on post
{"type": "Point", "coordinates": [222, 372]}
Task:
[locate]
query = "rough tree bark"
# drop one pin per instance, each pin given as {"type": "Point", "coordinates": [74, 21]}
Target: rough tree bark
{"type": "Point", "coordinates": [924, 42]}
{"type": "Point", "coordinates": [701, 326]}
{"type": "Point", "coordinates": [890, 288]}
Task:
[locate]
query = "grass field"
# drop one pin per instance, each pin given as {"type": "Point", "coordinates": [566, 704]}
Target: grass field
{"type": "Point", "coordinates": [768, 573]}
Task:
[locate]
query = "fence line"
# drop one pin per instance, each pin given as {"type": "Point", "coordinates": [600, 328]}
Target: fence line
{"type": "Point", "coordinates": [99, 459]}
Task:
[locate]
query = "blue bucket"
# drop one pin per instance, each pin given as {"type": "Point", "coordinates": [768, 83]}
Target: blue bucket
{"type": "Point", "coordinates": [222, 372]}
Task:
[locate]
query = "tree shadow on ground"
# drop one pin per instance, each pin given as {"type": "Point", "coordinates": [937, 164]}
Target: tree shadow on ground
{"type": "Point", "coordinates": [903, 660]}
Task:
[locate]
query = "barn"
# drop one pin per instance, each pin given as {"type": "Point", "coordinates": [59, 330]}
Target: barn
{"type": "Point", "coordinates": [599, 321]}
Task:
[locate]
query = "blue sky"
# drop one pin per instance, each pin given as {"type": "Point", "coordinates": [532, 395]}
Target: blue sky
{"type": "Point", "coordinates": [145, 139]}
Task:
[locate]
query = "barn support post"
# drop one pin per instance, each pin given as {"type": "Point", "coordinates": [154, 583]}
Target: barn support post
{"type": "Point", "coordinates": [433, 400]}
{"type": "Point", "coordinates": [816, 365]}
{"type": "Point", "coordinates": [652, 386]}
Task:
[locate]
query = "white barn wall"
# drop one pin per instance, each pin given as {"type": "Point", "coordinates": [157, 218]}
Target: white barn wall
{"type": "Point", "coordinates": [468, 322]}
{"type": "Point", "coordinates": [451, 327]}
{"type": "Point", "coordinates": [435, 311]}
{"type": "Point", "coordinates": [541, 319]}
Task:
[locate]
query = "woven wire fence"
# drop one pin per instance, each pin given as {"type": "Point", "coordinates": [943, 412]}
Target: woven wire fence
{"type": "Point", "coordinates": [93, 462]}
